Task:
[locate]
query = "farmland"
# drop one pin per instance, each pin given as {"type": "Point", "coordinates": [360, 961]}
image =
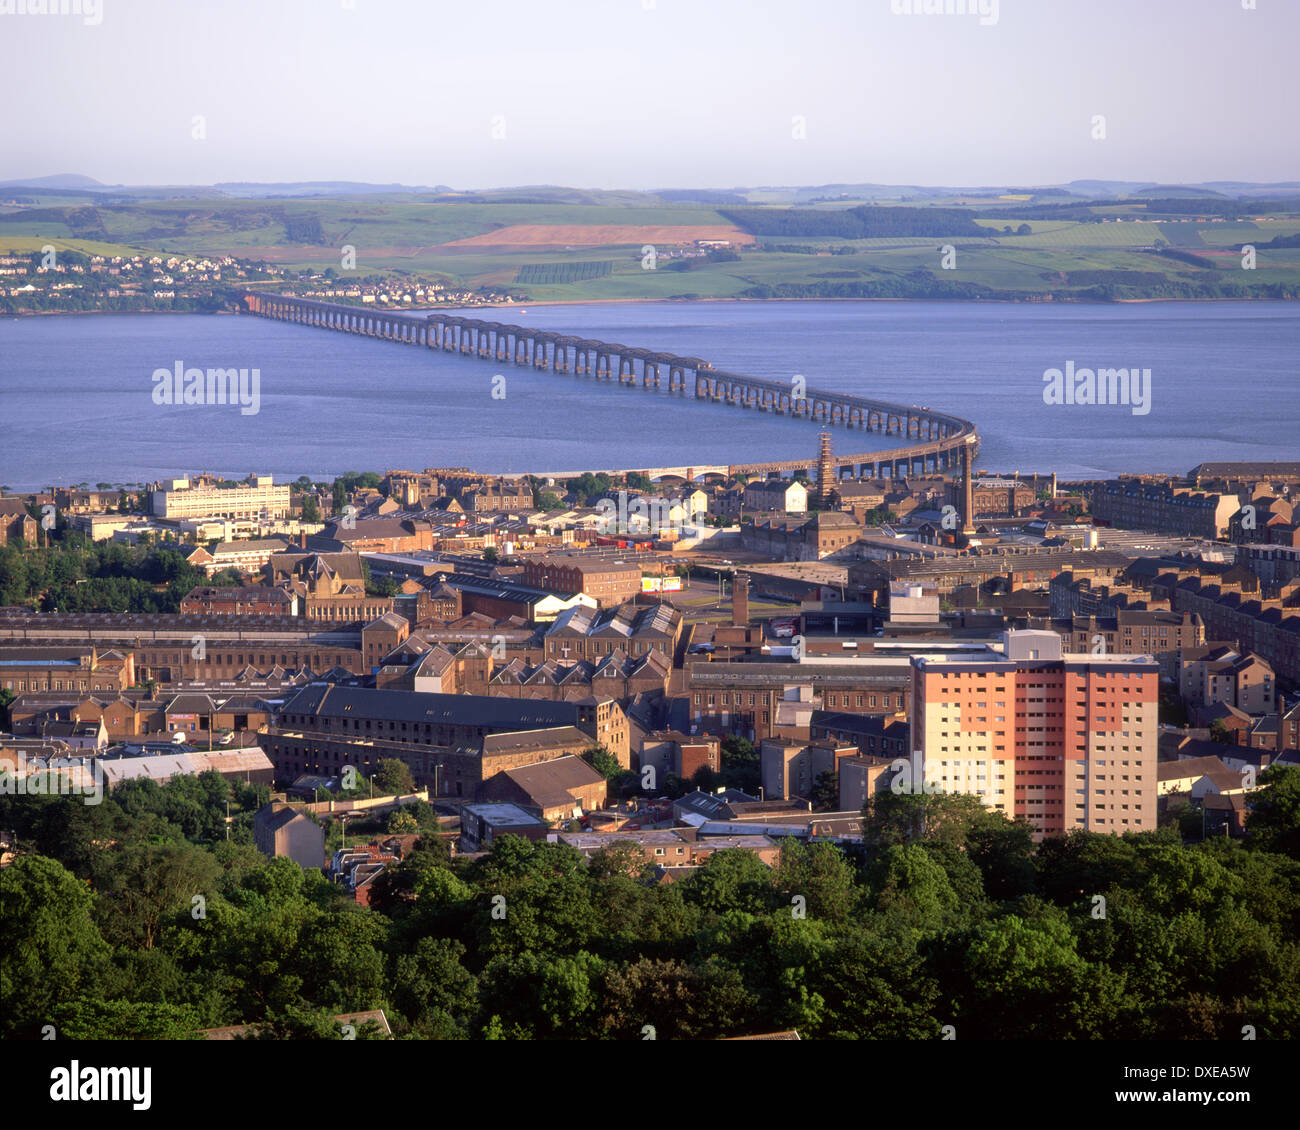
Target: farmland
{"type": "Point", "coordinates": [569, 245]}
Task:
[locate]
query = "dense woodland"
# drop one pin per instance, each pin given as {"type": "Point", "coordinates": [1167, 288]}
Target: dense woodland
{"type": "Point", "coordinates": [946, 915]}
{"type": "Point", "coordinates": [78, 575]}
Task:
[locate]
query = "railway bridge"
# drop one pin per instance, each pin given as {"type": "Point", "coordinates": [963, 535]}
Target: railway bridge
{"type": "Point", "coordinates": [929, 441]}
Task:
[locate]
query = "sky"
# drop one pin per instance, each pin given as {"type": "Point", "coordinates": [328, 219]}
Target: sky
{"type": "Point", "coordinates": [645, 94]}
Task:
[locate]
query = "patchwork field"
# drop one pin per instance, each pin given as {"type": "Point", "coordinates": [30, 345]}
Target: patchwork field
{"type": "Point", "coordinates": [578, 249]}
{"type": "Point", "coordinates": [600, 235]}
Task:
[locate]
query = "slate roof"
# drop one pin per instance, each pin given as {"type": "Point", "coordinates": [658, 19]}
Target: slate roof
{"type": "Point", "coordinates": [488, 711]}
{"type": "Point", "coordinates": [551, 784]}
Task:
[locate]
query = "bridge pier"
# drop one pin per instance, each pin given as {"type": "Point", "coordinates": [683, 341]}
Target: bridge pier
{"type": "Point", "coordinates": [934, 442]}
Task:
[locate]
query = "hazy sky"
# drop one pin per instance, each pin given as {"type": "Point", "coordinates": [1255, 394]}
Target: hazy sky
{"type": "Point", "coordinates": [650, 93]}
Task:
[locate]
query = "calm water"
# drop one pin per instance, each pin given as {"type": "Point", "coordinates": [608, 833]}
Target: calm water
{"type": "Point", "coordinates": [76, 392]}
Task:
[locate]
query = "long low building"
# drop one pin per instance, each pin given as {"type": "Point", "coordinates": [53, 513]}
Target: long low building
{"type": "Point", "coordinates": [244, 764]}
{"type": "Point", "coordinates": [81, 668]}
{"type": "Point", "coordinates": [169, 648]}
{"type": "Point", "coordinates": [746, 698]}
{"type": "Point", "coordinates": [136, 714]}
{"type": "Point", "coordinates": [451, 742]}
{"type": "Point", "coordinates": [1017, 569]}
{"type": "Point", "coordinates": [1164, 508]}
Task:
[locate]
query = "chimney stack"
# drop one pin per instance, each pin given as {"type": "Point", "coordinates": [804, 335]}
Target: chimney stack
{"type": "Point", "coordinates": [825, 474]}
{"type": "Point", "coordinates": [968, 492]}
{"type": "Point", "coordinates": [740, 600]}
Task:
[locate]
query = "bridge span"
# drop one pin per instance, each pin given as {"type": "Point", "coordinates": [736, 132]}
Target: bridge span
{"type": "Point", "coordinates": [930, 441]}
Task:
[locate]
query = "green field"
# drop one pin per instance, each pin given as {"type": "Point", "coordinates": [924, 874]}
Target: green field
{"type": "Point", "coordinates": [550, 274]}
{"type": "Point", "coordinates": [406, 234]}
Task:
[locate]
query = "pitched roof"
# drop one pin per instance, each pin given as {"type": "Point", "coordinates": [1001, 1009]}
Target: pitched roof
{"type": "Point", "coordinates": [555, 737]}
{"type": "Point", "coordinates": [551, 784]}
{"type": "Point", "coordinates": [1189, 767]}
{"type": "Point", "coordinates": [414, 706]}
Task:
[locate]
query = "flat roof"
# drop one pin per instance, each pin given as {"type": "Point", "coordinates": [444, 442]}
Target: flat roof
{"type": "Point", "coordinates": [1073, 659]}
{"type": "Point", "coordinates": [510, 814]}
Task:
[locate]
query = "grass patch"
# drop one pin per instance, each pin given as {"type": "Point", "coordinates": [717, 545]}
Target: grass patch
{"type": "Point", "coordinates": [552, 274]}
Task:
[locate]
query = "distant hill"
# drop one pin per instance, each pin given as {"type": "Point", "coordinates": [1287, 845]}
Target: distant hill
{"type": "Point", "coordinates": [320, 188]}
{"type": "Point", "coordinates": [1247, 189]}
{"type": "Point", "coordinates": [735, 195]}
{"type": "Point", "coordinates": [59, 180]}
{"type": "Point", "coordinates": [1176, 191]}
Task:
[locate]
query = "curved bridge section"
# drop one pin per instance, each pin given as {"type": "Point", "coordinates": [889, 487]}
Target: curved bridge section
{"type": "Point", "coordinates": [928, 441]}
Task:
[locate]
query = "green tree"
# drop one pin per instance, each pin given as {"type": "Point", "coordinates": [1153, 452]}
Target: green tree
{"type": "Point", "coordinates": [53, 950]}
{"type": "Point", "coordinates": [821, 875]}
{"type": "Point", "coordinates": [1274, 821]}
{"type": "Point", "coordinates": [617, 859]}
{"type": "Point", "coordinates": [401, 823]}
{"type": "Point", "coordinates": [125, 1020]}
{"type": "Point", "coordinates": [1082, 864]}
{"type": "Point", "coordinates": [604, 762]}
{"type": "Point", "coordinates": [733, 879]}
{"type": "Point", "coordinates": [826, 792]}
{"type": "Point", "coordinates": [895, 818]}
{"type": "Point", "coordinates": [144, 885]}
{"type": "Point", "coordinates": [303, 1022]}
{"type": "Point", "coordinates": [1004, 853]}
{"type": "Point", "coordinates": [1025, 980]}
{"type": "Point", "coordinates": [340, 959]}
{"type": "Point", "coordinates": [679, 1001]}
{"type": "Point", "coordinates": [740, 765]}
{"type": "Point", "coordinates": [536, 996]}
{"type": "Point", "coordinates": [393, 778]}
{"type": "Point", "coordinates": [876, 986]}
{"type": "Point", "coordinates": [914, 885]}
{"type": "Point", "coordinates": [434, 991]}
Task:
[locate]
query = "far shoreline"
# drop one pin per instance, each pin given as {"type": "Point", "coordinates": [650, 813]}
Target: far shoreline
{"type": "Point", "coordinates": [464, 310]}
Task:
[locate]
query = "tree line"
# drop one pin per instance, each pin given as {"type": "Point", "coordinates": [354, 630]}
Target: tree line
{"type": "Point", "coordinates": [138, 918]}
